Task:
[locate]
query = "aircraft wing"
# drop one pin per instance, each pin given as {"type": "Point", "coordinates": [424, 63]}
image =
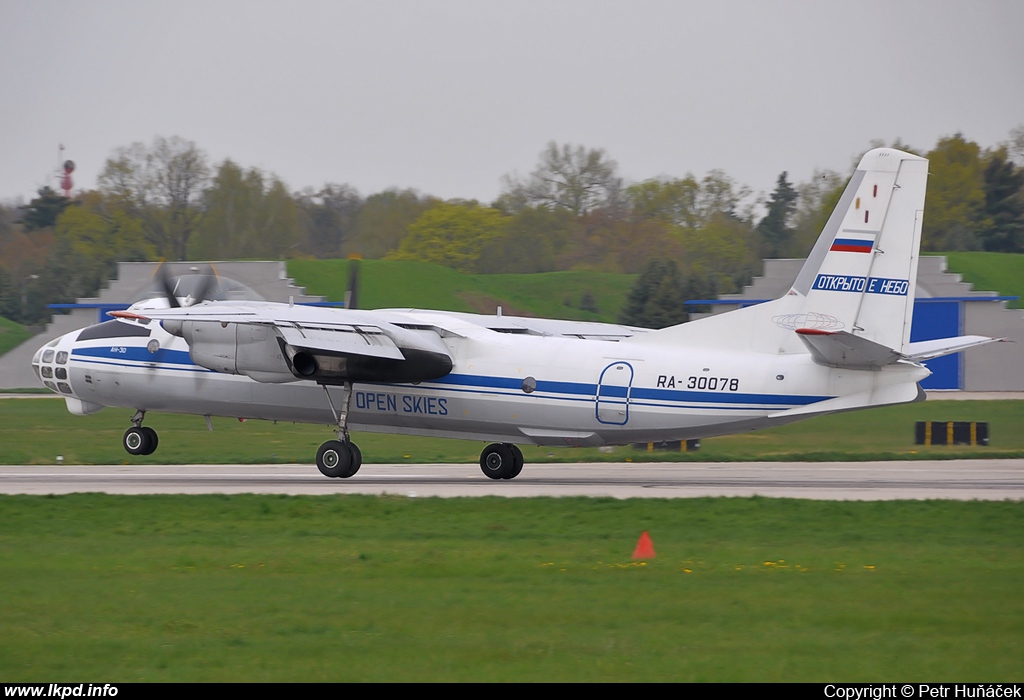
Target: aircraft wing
{"type": "Point", "coordinates": [281, 342]}
{"type": "Point", "coordinates": [342, 340]}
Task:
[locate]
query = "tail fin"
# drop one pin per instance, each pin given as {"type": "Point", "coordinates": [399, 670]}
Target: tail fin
{"type": "Point", "coordinates": [860, 277]}
{"type": "Point", "coordinates": [861, 274]}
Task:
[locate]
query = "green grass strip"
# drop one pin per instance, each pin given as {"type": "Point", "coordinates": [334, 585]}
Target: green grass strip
{"type": "Point", "coordinates": [350, 588]}
{"type": "Point", "coordinates": [38, 431]}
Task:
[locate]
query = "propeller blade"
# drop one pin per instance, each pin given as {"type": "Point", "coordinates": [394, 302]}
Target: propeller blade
{"type": "Point", "coordinates": [209, 282]}
{"type": "Point", "coordinates": [165, 284]}
{"type": "Point", "coordinates": [352, 295]}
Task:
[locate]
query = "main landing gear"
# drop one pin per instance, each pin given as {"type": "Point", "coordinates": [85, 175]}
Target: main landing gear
{"type": "Point", "coordinates": [339, 458]}
{"type": "Point", "coordinates": [140, 440]}
{"type": "Point", "coordinates": [501, 460]}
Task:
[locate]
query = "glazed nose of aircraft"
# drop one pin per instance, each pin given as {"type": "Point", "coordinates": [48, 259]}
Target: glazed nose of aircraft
{"type": "Point", "coordinates": [50, 364]}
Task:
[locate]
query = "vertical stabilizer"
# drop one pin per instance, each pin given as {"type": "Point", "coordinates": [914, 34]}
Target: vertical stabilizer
{"type": "Point", "coordinates": [861, 274]}
{"type": "Point", "coordinates": [859, 278]}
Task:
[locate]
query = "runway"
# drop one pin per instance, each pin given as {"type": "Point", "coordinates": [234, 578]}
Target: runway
{"type": "Point", "coordinates": [936, 479]}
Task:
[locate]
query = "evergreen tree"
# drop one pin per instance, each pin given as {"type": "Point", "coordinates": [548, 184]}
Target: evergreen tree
{"type": "Point", "coordinates": [43, 210]}
{"type": "Point", "coordinates": [1004, 206]}
{"type": "Point", "coordinates": [656, 299]}
{"type": "Point", "coordinates": [774, 227]}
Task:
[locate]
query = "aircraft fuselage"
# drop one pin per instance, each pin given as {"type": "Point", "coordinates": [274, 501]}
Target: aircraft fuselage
{"type": "Point", "coordinates": [514, 388]}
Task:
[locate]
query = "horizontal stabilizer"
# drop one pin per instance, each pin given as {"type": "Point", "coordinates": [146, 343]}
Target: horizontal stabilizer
{"type": "Point", "coordinates": [929, 349]}
{"type": "Point", "coordinates": [843, 349]}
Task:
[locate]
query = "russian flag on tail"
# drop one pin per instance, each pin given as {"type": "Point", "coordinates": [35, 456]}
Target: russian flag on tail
{"type": "Point", "coordinates": [847, 242]}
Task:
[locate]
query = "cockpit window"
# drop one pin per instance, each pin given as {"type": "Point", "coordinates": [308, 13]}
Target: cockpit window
{"type": "Point", "coordinates": [47, 371]}
{"type": "Point", "coordinates": [62, 357]}
{"type": "Point", "coordinates": [48, 356]}
{"type": "Point", "coordinates": [113, 329]}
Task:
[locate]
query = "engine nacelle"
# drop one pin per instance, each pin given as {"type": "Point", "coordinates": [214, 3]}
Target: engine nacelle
{"type": "Point", "coordinates": [261, 353]}
{"type": "Point", "coordinates": [326, 368]}
{"type": "Point", "coordinates": [237, 348]}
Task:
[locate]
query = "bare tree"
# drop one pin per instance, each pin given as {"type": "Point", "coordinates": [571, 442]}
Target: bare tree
{"type": "Point", "coordinates": [1016, 145]}
{"type": "Point", "coordinates": [567, 177]}
{"type": "Point", "coordinates": [162, 186]}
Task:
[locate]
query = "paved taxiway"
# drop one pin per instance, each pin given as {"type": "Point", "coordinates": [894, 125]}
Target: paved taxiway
{"type": "Point", "coordinates": [954, 479]}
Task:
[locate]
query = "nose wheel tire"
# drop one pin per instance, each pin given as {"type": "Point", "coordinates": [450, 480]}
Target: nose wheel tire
{"type": "Point", "coordinates": [140, 441]}
{"type": "Point", "coordinates": [501, 461]}
{"type": "Point", "coordinates": [338, 459]}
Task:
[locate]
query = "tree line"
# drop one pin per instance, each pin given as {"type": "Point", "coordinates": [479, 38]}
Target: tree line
{"type": "Point", "coordinates": [690, 237]}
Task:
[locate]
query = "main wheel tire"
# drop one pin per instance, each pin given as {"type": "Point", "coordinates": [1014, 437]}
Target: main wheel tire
{"type": "Point", "coordinates": [357, 460]}
{"type": "Point", "coordinates": [334, 459]}
{"type": "Point", "coordinates": [136, 441]}
{"type": "Point", "coordinates": [517, 461]}
{"type": "Point", "coordinates": [497, 461]}
{"type": "Point", "coordinates": [153, 440]}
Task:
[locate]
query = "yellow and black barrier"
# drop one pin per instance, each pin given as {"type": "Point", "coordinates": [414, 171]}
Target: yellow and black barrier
{"type": "Point", "coordinates": [933, 432]}
{"type": "Point", "coordinates": [669, 446]}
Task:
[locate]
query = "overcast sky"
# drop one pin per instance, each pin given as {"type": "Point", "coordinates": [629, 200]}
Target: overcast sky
{"type": "Point", "coordinates": [446, 97]}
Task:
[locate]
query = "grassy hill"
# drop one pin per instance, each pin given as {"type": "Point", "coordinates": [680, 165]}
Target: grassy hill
{"type": "Point", "coordinates": [999, 272]}
{"type": "Point", "coordinates": [11, 335]}
{"type": "Point", "coordinates": [556, 294]}
{"type": "Point", "coordinates": [424, 285]}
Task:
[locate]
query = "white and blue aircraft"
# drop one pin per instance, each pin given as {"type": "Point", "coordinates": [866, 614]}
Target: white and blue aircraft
{"type": "Point", "coordinates": [838, 340]}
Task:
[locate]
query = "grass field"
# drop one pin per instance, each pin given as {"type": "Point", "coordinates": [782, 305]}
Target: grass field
{"type": "Point", "coordinates": [36, 431]}
{"type": "Point", "coordinates": [348, 588]}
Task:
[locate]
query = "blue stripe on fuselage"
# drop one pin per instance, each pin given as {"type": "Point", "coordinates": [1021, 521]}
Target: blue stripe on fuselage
{"type": "Point", "coordinates": [118, 355]}
{"type": "Point", "coordinates": [636, 393]}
